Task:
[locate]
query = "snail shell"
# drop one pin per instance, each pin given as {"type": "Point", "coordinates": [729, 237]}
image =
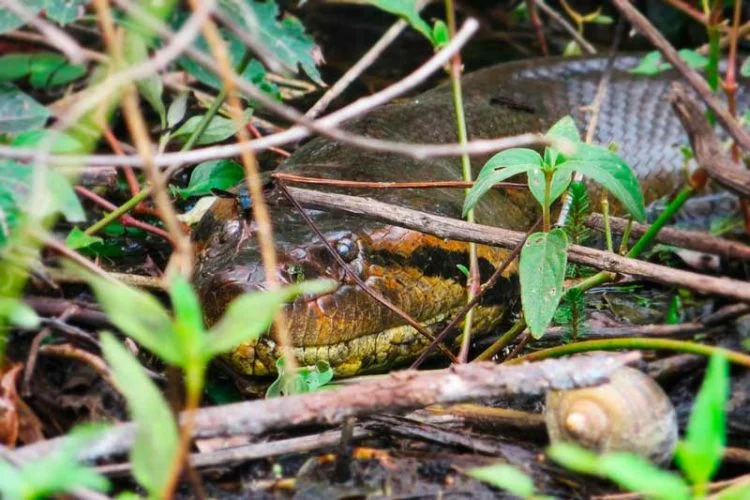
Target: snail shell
{"type": "Point", "coordinates": [630, 413]}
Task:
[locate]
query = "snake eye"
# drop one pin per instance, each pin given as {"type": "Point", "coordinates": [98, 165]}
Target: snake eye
{"type": "Point", "coordinates": [347, 249]}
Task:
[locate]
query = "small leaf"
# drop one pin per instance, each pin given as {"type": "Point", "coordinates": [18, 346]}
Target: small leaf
{"type": "Point", "coordinates": [745, 69]}
{"type": "Point", "coordinates": [572, 48]}
{"type": "Point", "coordinates": [18, 313]}
{"type": "Point", "coordinates": [9, 21]}
{"type": "Point", "coordinates": [648, 65]}
{"type": "Point", "coordinates": [188, 320]}
{"type": "Point", "coordinates": [603, 19]}
{"type": "Point", "coordinates": [251, 314]}
{"type": "Point", "coordinates": [151, 87]}
{"type": "Point", "coordinates": [14, 67]}
{"type": "Point", "coordinates": [49, 69]}
{"type": "Point", "coordinates": [19, 112]}
{"type": "Point", "coordinates": [407, 10]}
{"type": "Point", "coordinates": [440, 35]}
{"type": "Point", "coordinates": [560, 182]}
{"type": "Point", "coordinates": [61, 142]}
{"type": "Point", "coordinates": [699, 454]}
{"type": "Point", "coordinates": [636, 474]}
{"type": "Point", "coordinates": [139, 315]}
{"type": "Point", "coordinates": [218, 129]}
{"type": "Point", "coordinates": [155, 445]}
{"type": "Point", "coordinates": [542, 266]}
{"type": "Point", "coordinates": [503, 165]}
{"type": "Point", "coordinates": [735, 492]}
{"type": "Point", "coordinates": [65, 11]}
{"type": "Point", "coordinates": [177, 109]}
{"type": "Point", "coordinates": [78, 239]}
{"type": "Point", "coordinates": [574, 458]}
{"type": "Point", "coordinates": [305, 379]}
{"type": "Point", "coordinates": [611, 171]}
{"type": "Point", "coordinates": [214, 174]}
{"type": "Point", "coordinates": [505, 477]}
{"type": "Point", "coordinates": [565, 128]}
{"type": "Point", "coordinates": [63, 199]}
{"type": "Point", "coordinates": [693, 59]}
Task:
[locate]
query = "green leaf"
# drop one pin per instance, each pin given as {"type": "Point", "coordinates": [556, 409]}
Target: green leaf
{"type": "Point", "coordinates": [542, 266]}
{"type": "Point", "coordinates": [693, 59]}
{"type": "Point", "coordinates": [648, 65]}
{"type": "Point", "coordinates": [611, 171]}
{"type": "Point", "coordinates": [188, 321]}
{"type": "Point", "coordinates": [736, 492]}
{"type": "Point", "coordinates": [10, 21]}
{"type": "Point", "coordinates": [251, 314]}
{"type": "Point", "coordinates": [139, 315]}
{"type": "Point", "coordinates": [61, 142]}
{"type": "Point", "coordinates": [177, 109]}
{"type": "Point", "coordinates": [699, 454]}
{"type": "Point", "coordinates": [54, 474]}
{"type": "Point", "coordinates": [18, 313]}
{"type": "Point", "coordinates": [505, 477]}
{"type": "Point", "coordinates": [636, 474]}
{"type": "Point", "coordinates": [745, 68]}
{"type": "Point", "coordinates": [503, 165]}
{"type": "Point", "coordinates": [603, 19]}
{"type": "Point", "coordinates": [78, 239]}
{"type": "Point", "coordinates": [407, 10]}
{"type": "Point", "coordinates": [440, 35]}
{"type": "Point", "coordinates": [48, 69]}
{"type": "Point", "coordinates": [156, 439]}
{"type": "Point", "coordinates": [65, 11]}
{"type": "Point", "coordinates": [151, 87]}
{"type": "Point", "coordinates": [14, 67]}
{"type": "Point", "coordinates": [218, 129]}
{"type": "Point", "coordinates": [560, 182]}
{"type": "Point", "coordinates": [305, 379]}
{"type": "Point", "coordinates": [651, 63]}
{"type": "Point", "coordinates": [283, 36]}
{"type": "Point", "coordinates": [19, 112]}
{"type": "Point", "coordinates": [214, 174]}
{"type": "Point", "coordinates": [574, 458]}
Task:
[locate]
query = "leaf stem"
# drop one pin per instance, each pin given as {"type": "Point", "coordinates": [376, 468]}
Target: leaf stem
{"type": "Point", "coordinates": [605, 215]}
{"type": "Point", "coordinates": [546, 217]}
{"type": "Point", "coordinates": [634, 343]}
{"type": "Point", "coordinates": [512, 334]}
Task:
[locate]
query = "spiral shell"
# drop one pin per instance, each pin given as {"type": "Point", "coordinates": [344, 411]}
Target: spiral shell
{"type": "Point", "coordinates": [630, 413]}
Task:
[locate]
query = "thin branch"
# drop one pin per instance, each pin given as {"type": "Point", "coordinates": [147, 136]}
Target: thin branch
{"type": "Point", "coordinates": [446, 227]}
{"type": "Point", "coordinates": [399, 391]}
{"type": "Point", "coordinates": [25, 36]}
{"type": "Point", "coordinates": [693, 77]}
{"type": "Point", "coordinates": [559, 19]}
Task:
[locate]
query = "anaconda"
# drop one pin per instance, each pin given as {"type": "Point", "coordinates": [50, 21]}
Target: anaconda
{"type": "Point", "coordinates": [417, 272]}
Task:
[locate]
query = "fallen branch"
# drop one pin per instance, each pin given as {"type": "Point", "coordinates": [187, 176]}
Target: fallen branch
{"type": "Point", "coordinates": [446, 227]}
{"type": "Point", "coordinates": [708, 151]}
{"type": "Point", "coordinates": [399, 391]}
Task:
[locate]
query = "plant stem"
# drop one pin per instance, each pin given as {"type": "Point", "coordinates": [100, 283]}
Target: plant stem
{"type": "Point", "coordinates": [508, 337]}
{"type": "Point", "coordinates": [118, 212]}
{"type": "Point", "coordinates": [626, 237]}
{"type": "Point", "coordinates": [634, 343]}
{"type": "Point", "coordinates": [472, 284]}
{"type": "Point", "coordinates": [546, 218]}
{"type": "Point", "coordinates": [605, 215]}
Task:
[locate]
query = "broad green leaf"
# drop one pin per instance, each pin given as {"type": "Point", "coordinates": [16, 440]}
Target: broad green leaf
{"type": "Point", "coordinates": [78, 239]}
{"type": "Point", "coordinates": [611, 171]}
{"type": "Point", "coordinates": [505, 477]}
{"type": "Point", "coordinates": [214, 174]}
{"type": "Point", "coordinates": [636, 474]}
{"type": "Point", "coordinates": [18, 313]}
{"type": "Point", "coordinates": [284, 36]}
{"type": "Point", "coordinates": [652, 64]}
{"type": "Point", "coordinates": [565, 128]}
{"type": "Point", "coordinates": [151, 87]}
{"type": "Point", "coordinates": [560, 182]}
{"type": "Point", "coordinates": [218, 129]}
{"type": "Point", "coordinates": [140, 316]}
{"type": "Point", "coordinates": [62, 143]}
{"type": "Point", "coordinates": [14, 67]}
{"type": "Point", "coordinates": [699, 454]}
{"type": "Point", "coordinates": [542, 266]}
{"type": "Point", "coordinates": [19, 112]}
{"type": "Point", "coordinates": [251, 314]}
{"type": "Point", "coordinates": [156, 439]}
{"type": "Point", "coordinates": [188, 320]}
{"type": "Point", "coordinates": [503, 165]}
{"type": "Point", "coordinates": [407, 10]}
{"type": "Point", "coordinates": [305, 379]}
{"type": "Point", "coordinates": [176, 111]}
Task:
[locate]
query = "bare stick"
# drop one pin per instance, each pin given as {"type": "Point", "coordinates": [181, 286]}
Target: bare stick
{"type": "Point", "coordinates": [559, 19]}
{"type": "Point", "coordinates": [399, 391]}
{"type": "Point", "coordinates": [446, 227]}
{"type": "Point", "coordinates": [695, 80]}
